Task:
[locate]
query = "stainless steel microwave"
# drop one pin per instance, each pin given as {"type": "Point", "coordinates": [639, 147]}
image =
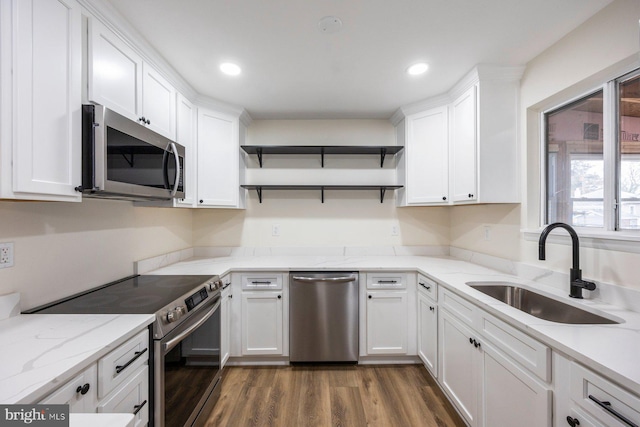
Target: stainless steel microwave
{"type": "Point", "coordinates": [122, 159]}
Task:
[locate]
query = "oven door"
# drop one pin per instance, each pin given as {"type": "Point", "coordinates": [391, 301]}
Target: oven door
{"type": "Point", "coordinates": [188, 370]}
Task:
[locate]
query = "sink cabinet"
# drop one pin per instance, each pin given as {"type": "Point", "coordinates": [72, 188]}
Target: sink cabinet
{"type": "Point", "coordinates": [488, 377]}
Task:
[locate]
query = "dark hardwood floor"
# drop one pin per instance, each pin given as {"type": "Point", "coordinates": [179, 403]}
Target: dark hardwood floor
{"type": "Point", "coordinates": [332, 395]}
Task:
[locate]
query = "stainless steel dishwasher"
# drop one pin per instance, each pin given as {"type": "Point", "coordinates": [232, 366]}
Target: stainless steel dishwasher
{"type": "Point", "coordinates": [323, 316]}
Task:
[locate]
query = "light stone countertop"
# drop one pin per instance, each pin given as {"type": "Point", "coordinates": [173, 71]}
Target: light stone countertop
{"type": "Point", "coordinates": [610, 350]}
{"type": "Point", "coordinates": [41, 352]}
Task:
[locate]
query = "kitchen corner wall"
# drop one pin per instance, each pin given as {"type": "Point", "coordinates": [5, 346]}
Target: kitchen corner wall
{"type": "Point", "coordinates": [346, 218]}
{"type": "Point", "coordinates": [64, 248]}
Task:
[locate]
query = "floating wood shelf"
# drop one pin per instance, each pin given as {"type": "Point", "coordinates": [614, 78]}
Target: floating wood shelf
{"type": "Point", "coordinates": [378, 150]}
{"type": "Point", "coordinates": [381, 188]}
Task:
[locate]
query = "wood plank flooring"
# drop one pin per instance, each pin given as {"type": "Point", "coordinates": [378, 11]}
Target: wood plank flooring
{"type": "Point", "coordinates": [332, 395]}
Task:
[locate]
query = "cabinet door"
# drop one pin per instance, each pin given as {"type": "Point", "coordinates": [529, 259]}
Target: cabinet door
{"type": "Point", "coordinates": [510, 394]}
{"type": "Point", "coordinates": [158, 102]}
{"type": "Point", "coordinates": [218, 160]}
{"type": "Point", "coordinates": [225, 313]}
{"type": "Point", "coordinates": [464, 147]}
{"type": "Point", "coordinates": [72, 392]}
{"type": "Point", "coordinates": [262, 324]}
{"type": "Point", "coordinates": [132, 397]}
{"type": "Point", "coordinates": [459, 366]}
{"type": "Point", "coordinates": [186, 136]}
{"type": "Point", "coordinates": [428, 333]}
{"type": "Point", "coordinates": [387, 328]}
{"type": "Point", "coordinates": [427, 157]}
{"type": "Point", "coordinates": [47, 99]}
{"type": "Point", "coordinates": [115, 72]}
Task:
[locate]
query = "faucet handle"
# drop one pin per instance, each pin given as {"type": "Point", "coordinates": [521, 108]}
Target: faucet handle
{"type": "Point", "coordinates": [590, 286]}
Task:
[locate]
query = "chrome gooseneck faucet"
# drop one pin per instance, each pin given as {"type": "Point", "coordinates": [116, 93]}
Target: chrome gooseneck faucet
{"type": "Point", "coordinates": [576, 284]}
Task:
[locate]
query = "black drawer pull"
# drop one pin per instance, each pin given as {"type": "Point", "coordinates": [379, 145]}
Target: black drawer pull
{"type": "Point", "coordinates": [387, 281]}
{"type": "Point", "coordinates": [137, 354]}
{"type": "Point", "coordinates": [573, 422]}
{"type": "Point", "coordinates": [261, 282]}
{"type": "Point", "coordinates": [83, 389]}
{"type": "Point", "coordinates": [432, 308]}
{"type": "Point", "coordinates": [425, 286]}
{"type": "Point", "coordinates": [607, 407]}
{"type": "Point", "coordinates": [137, 408]}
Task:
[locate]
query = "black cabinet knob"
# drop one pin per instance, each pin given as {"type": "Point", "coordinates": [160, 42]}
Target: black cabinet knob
{"type": "Point", "coordinates": [142, 119]}
{"type": "Point", "coordinates": [432, 308]}
{"type": "Point", "coordinates": [573, 422]}
{"type": "Point", "coordinates": [476, 344]}
{"type": "Point", "coordinates": [279, 296]}
{"type": "Point", "coordinates": [83, 389]}
{"type": "Point", "coordinates": [230, 295]}
{"type": "Point", "coordinates": [148, 121]}
{"type": "Point", "coordinates": [470, 195]}
{"type": "Point", "coordinates": [470, 340]}
{"type": "Point", "coordinates": [201, 201]}
{"type": "Point", "coordinates": [444, 198]}
{"type": "Point", "coordinates": [370, 297]}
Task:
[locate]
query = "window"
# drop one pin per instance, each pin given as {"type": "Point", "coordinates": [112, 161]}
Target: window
{"type": "Point", "coordinates": [593, 174]}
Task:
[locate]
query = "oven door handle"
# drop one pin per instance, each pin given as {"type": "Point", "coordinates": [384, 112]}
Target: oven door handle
{"type": "Point", "coordinates": [174, 341]}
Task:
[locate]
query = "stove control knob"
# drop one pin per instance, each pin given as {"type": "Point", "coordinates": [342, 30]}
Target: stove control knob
{"type": "Point", "coordinates": [172, 316]}
{"type": "Point", "coordinates": [181, 310]}
{"type": "Point", "coordinates": [215, 285]}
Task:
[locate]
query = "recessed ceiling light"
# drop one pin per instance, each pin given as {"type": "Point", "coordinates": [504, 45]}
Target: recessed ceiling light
{"type": "Point", "coordinates": [330, 24]}
{"type": "Point", "coordinates": [417, 69]}
{"type": "Point", "coordinates": [230, 68]}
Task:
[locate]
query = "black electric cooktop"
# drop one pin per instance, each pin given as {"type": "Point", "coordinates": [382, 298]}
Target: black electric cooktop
{"type": "Point", "coordinates": [132, 295]}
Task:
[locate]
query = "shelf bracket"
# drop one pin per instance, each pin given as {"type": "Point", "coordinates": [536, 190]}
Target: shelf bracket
{"type": "Point", "coordinates": [383, 153]}
{"type": "Point", "coordinates": [322, 194]}
{"type": "Point", "coordinates": [259, 154]}
{"type": "Point", "coordinates": [259, 191]}
{"type": "Point", "coordinates": [382, 191]}
{"type": "Point", "coordinates": [322, 157]}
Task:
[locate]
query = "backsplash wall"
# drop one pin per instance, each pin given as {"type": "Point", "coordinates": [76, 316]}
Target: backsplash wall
{"type": "Point", "coordinates": [64, 248]}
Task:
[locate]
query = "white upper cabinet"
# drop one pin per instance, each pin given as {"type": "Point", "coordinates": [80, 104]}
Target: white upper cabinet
{"type": "Point", "coordinates": [219, 160]}
{"type": "Point", "coordinates": [186, 136]}
{"type": "Point", "coordinates": [424, 165]}
{"type": "Point", "coordinates": [119, 79]}
{"type": "Point", "coordinates": [41, 60]}
{"type": "Point", "coordinates": [463, 147]}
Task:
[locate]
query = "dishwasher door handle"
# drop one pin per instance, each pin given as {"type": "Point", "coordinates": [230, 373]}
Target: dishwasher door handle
{"type": "Point", "coordinates": [325, 279]}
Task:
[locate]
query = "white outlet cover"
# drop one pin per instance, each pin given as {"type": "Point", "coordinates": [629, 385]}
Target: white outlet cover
{"type": "Point", "coordinates": [6, 255]}
{"type": "Point", "coordinates": [275, 230]}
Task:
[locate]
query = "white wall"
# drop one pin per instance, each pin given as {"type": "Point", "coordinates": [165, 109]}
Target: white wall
{"type": "Point", "coordinates": [347, 218]}
{"type": "Point", "coordinates": [568, 68]}
{"type": "Point", "coordinates": [64, 248]}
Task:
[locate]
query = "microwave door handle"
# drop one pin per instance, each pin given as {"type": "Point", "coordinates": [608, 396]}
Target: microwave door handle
{"type": "Point", "coordinates": [178, 174]}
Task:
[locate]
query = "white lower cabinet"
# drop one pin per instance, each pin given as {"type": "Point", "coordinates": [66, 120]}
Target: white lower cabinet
{"type": "Point", "coordinates": [387, 322]}
{"type": "Point", "coordinates": [117, 383]}
{"type": "Point", "coordinates": [262, 323]}
{"type": "Point", "coordinates": [487, 386]}
{"type": "Point", "coordinates": [225, 316]}
{"type": "Point", "coordinates": [81, 393]}
{"type": "Point", "coordinates": [428, 333]}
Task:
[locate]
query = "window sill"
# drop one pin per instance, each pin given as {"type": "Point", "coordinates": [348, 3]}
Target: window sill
{"type": "Point", "coordinates": [622, 241]}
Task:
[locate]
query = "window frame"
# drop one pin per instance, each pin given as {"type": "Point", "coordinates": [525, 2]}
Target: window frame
{"type": "Point", "coordinates": [611, 157]}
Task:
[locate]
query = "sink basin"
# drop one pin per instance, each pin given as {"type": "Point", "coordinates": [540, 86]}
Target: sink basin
{"type": "Point", "coordinates": [538, 305]}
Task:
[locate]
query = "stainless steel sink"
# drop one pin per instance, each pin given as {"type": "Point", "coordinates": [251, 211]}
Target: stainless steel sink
{"type": "Point", "coordinates": [538, 305]}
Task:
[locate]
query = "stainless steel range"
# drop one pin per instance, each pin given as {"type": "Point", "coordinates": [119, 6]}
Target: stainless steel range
{"type": "Point", "coordinates": [186, 338]}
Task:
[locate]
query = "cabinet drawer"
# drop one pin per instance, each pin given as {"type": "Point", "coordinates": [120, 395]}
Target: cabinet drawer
{"type": "Point", "coordinates": [256, 282]}
{"type": "Point", "coordinates": [72, 392]}
{"type": "Point", "coordinates": [587, 387]}
{"type": "Point", "coordinates": [386, 281]}
{"type": "Point", "coordinates": [428, 287]}
{"type": "Point", "coordinates": [132, 397]}
{"type": "Point", "coordinates": [525, 350]}
{"type": "Point", "coordinates": [463, 309]}
{"type": "Point", "coordinates": [116, 366]}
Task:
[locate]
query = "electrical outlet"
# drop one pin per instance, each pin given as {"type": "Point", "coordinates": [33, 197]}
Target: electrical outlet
{"type": "Point", "coordinates": [6, 255]}
{"type": "Point", "coordinates": [275, 230]}
{"type": "Point", "coordinates": [395, 230]}
{"type": "Point", "coordinates": [487, 233]}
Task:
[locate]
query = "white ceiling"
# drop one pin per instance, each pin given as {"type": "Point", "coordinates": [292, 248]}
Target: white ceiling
{"type": "Point", "coordinates": [292, 70]}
